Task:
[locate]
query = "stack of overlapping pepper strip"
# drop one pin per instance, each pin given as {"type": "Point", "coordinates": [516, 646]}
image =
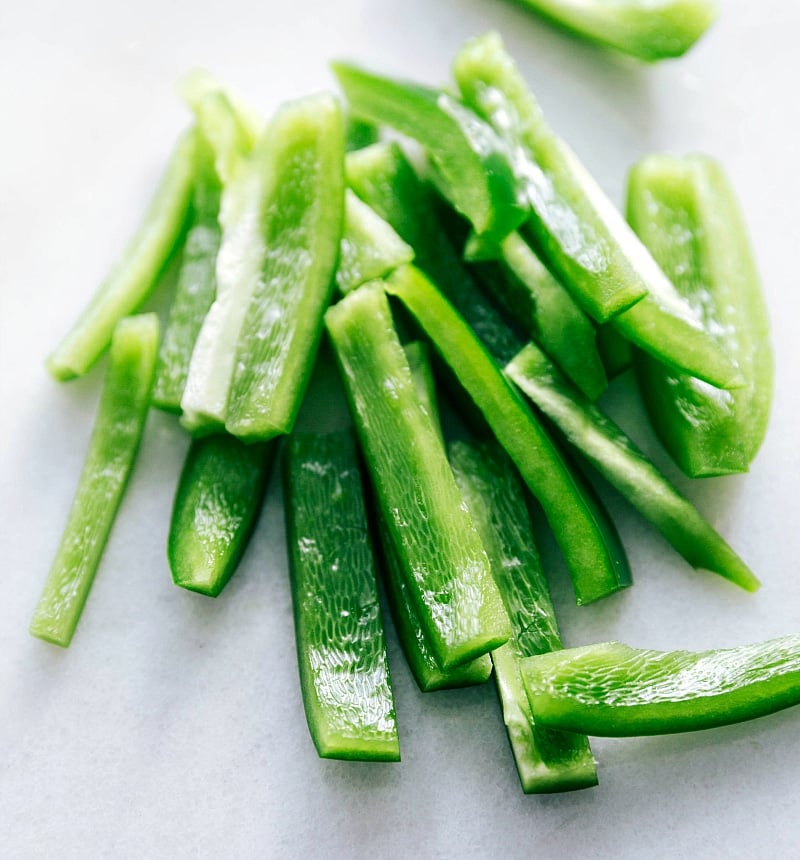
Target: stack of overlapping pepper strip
{"type": "Point", "coordinates": [500, 279]}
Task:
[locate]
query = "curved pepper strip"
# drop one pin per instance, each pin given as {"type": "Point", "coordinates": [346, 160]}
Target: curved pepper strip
{"type": "Point", "coordinates": [469, 156]}
{"type": "Point", "coordinates": [686, 212]}
{"type": "Point", "coordinates": [622, 464]}
{"type": "Point", "coordinates": [136, 272]}
{"type": "Point", "coordinates": [587, 537]}
{"type": "Point", "coordinates": [581, 236]}
{"type": "Point", "coordinates": [644, 29]}
{"type": "Point", "coordinates": [612, 690]}
{"type": "Point", "coordinates": [547, 761]}
{"type": "Point", "coordinates": [113, 447]}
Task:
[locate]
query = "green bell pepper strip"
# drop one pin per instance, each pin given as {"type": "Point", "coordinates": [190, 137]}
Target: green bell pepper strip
{"type": "Point", "coordinates": [469, 156]}
{"type": "Point", "coordinates": [616, 353]}
{"type": "Point", "coordinates": [370, 248]}
{"type": "Point", "coordinates": [621, 463]}
{"type": "Point", "coordinates": [281, 223]}
{"type": "Point", "coordinates": [359, 134]}
{"type": "Point", "coordinates": [302, 224]}
{"type": "Point", "coordinates": [136, 272]}
{"type": "Point", "coordinates": [382, 177]}
{"type": "Point", "coordinates": [418, 652]}
{"type": "Point", "coordinates": [547, 761]}
{"type": "Point", "coordinates": [215, 510]}
{"type": "Point", "coordinates": [582, 238]}
{"type": "Point", "coordinates": [585, 534]}
{"type": "Point", "coordinates": [196, 285]}
{"type": "Point", "coordinates": [109, 461]}
{"type": "Point", "coordinates": [616, 691]}
{"type": "Point", "coordinates": [530, 293]}
{"type": "Point", "coordinates": [341, 646]}
{"type": "Point", "coordinates": [445, 567]}
{"type": "Point", "coordinates": [685, 211]}
{"type": "Point", "coordinates": [644, 29]}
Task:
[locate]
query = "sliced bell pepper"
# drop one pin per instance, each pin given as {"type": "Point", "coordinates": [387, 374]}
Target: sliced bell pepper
{"type": "Point", "coordinates": [469, 156]}
{"type": "Point", "coordinates": [649, 30]}
{"type": "Point", "coordinates": [583, 530]}
{"type": "Point", "coordinates": [216, 507]}
{"type": "Point", "coordinates": [109, 461]}
{"type": "Point", "coordinates": [382, 176]}
{"type": "Point", "coordinates": [685, 211]}
{"type": "Point", "coordinates": [445, 567]}
{"type": "Point", "coordinates": [341, 646]}
{"type": "Point", "coordinates": [618, 460]}
{"type": "Point", "coordinates": [616, 691]}
{"type": "Point", "coordinates": [581, 236]}
{"type": "Point", "coordinates": [136, 272]}
{"type": "Point", "coordinates": [547, 761]}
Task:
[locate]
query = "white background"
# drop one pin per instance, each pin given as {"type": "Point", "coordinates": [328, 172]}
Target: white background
{"type": "Point", "coordinates": [173, 726]}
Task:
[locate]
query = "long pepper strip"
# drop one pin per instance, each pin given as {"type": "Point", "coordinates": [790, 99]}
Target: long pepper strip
{"type": "Point", "coordinates": [136, 272]}
{"type": "Point", "coordinates": [616, 457]}
{"type": "Point", "coordinates": [370, 248]}
{"type": "Point", "coordinates": [585, 534]}
{"type": "Point", "coordinates": [469, 156]}
{"type": "Point", "coordinates": [616, 691]}
{"type": "Point", "coordinates": [302, 227]}
{"type": "Point", "coordinates": [579, 233]}
{"type": "Point", "coordinates": [341, 647]}
{"type": "Point", "coordinates": [417, 650]}
{"type": "Point", "coordinates": [686, 212]}
{"type": "Point", "coordinates": [196, 285]}
{"type": "Point", "coordinates": [215, 510]}
{"type": "Point", "coordinates": [649, 30]}
{"type": "Point", "coordinates": [112, 451]}
{"type": "Point", "coordinates": [547, 761]}
{"type": "Point", "coordinates": [382, 177]}
{"type": "Point", "coordinates": [445, 567]}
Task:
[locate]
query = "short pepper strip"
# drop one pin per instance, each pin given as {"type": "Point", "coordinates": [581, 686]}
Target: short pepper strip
{"type": "Point", "coordinates": [113, 447]}
{"type": "Point", "coordinates": [612, 690]}
{"type": "Point", "coordinates": [587, 537]}
{"type": "Point", "coordinates": [685, 211]}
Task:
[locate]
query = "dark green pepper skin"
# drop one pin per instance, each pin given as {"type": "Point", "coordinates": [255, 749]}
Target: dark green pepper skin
{"type": "Point", "coordinates": [216, 507]}
{"type": "Point", "coordinates": [685, 211]}
{"type": "Point", "coordinates": [613, 690]}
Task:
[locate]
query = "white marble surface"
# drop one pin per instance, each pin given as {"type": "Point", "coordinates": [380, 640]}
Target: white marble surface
{"type": "Point", "coordinates": [173, 727]}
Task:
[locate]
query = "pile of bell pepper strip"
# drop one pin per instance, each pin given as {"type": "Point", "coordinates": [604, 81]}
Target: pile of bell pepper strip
{"type": "Point", "coordinates": [531, 291]}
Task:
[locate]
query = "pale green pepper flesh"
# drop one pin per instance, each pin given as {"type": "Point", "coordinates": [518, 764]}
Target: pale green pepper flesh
{"type": "Point", "coordinates": [109, 461]}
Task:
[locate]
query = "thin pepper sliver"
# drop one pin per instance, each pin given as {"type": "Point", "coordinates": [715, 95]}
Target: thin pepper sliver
{"type": "Point", "coordinates": [115, 440]}
{"type": "Point", "coordinates": [594, 554]}
{"type": "Point", "coordinates": [135, 273]}
{"type": "Point", "coordinates": [686, 212]}
{"type": "Point", "coordinates": [614, 690]}
{"type": "Point", "coordinates": [444, 564]}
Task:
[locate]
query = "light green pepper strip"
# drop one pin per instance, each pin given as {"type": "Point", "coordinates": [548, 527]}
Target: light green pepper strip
{"type": "Point", "coordinates": [585, 534]}
{"type": "Point", "coordinates": [613, 690]}
{"type": "Point", "coordinates": [649, 30]}
{"type": "Point", "coordinates": [302, 224]}
{"type": "Point", "coordinates": [686, 212]}
{"type": "Point", "coordinates": [216, 508]}
{"type": "Point", "coordinates": [370, 248]}
{"type": "Point", "coordinates": [109, 461]}
{"type": "Point", "coordinates": [445, 567]}
{"type": "Point", "coordinates": [136, 272]}
{"type": "Point", "coordinates": [469, 156]}
{"type": "Point", "coordinates": [550, 314]}
{"type": "Point", "coordinates": [382, 177]}
{"type": "Point", "coordinates": [615, 456]}
{"type": "Point", "coordinates": [417, 650]}
{"type": "Point", "coordinates": [196, 285]}
{"type": "Point", "coordinates": [581, 236]}
{"type": "Point", "coordinates": [341, 647]}
{"type": "Point", "coordinates": [547, 761]}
